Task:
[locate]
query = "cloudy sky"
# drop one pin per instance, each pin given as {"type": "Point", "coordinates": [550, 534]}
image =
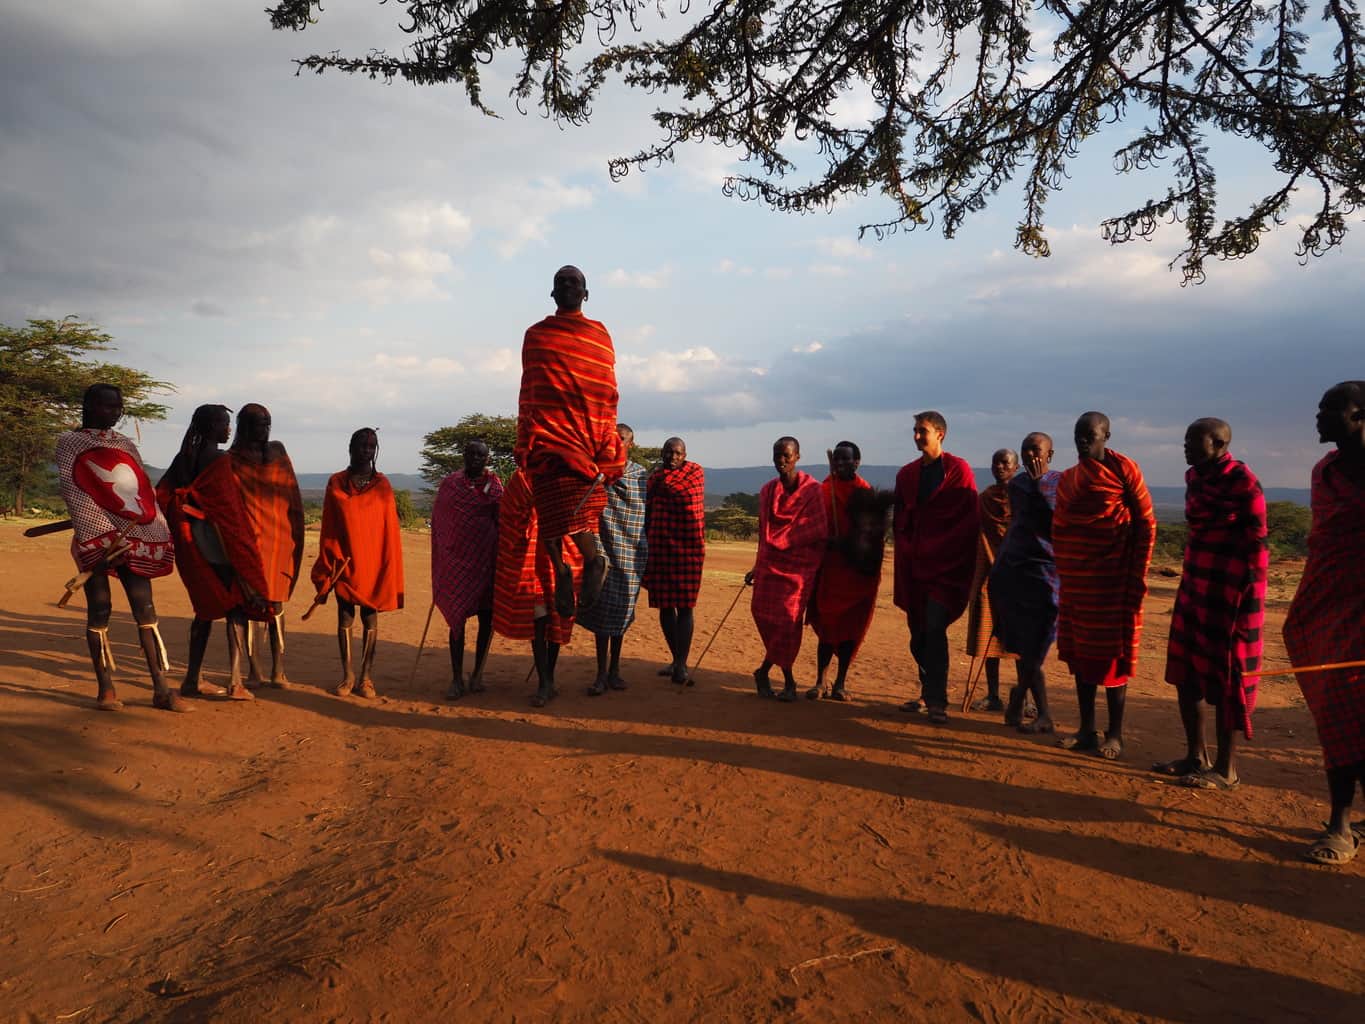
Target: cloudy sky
{"type": "Point", "coordinates": [355, 254]}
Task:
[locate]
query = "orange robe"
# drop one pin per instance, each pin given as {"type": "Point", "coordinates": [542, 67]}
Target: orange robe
{"type": "Point", "coordinates": [257, 512]}
{"type": "Point", "coordinates": [566, 421]}
{"type": "Point", "coordinates": [1102, 532]}
{"type": "Point", "coordinates": [361, 525]}
{"type": "Point", "coordinates": [995, 521]}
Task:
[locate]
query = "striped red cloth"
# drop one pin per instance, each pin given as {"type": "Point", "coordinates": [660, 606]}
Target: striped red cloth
{"type": "Point", "coordinates": [361, 524]}
{"type": "Point", "coordinates": [792, 530]}
{"type": "Point", "coordinates": [935, 543]}
{"type": "Point", "coordinates": [566, 420]}
{"type": "Point", "coordinates": [464, 540]}
{"type": "Point", "coordinates": [995, 521]}
{"type": "Point", "coordinates": [1102, 532]}
{"type": "Point", "coordinates": [841, 607]}
{"type": "Point", "coordinates": [675, 531]}
{"type": "Point", "coordinates": [1220, 606]}
{"type": "Point", "coordinates": [1324, 621]}
{"type": "Point", "coordinates": [523, 580]}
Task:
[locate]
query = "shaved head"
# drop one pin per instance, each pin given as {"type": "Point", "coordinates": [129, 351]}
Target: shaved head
{"type": "Point", "coordinates": [1215, 428]}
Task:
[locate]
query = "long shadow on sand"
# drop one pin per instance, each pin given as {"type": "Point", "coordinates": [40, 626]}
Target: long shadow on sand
{"type": "Point", "coordinates": [1147, 982]}
{"type": "Point", "coordinates": [895, 780]}
{"type": "Point", "coordinates": [1299, 891]}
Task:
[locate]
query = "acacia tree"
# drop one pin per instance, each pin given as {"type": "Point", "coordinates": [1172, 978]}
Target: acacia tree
{"type": "Point", "coordinates": [967, 95]}
{"type": "Point", "coordinates": [43, 375]}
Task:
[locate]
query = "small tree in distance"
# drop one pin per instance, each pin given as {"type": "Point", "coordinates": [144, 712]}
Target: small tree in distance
{"type": "Point", "coordinates": [443, 448]}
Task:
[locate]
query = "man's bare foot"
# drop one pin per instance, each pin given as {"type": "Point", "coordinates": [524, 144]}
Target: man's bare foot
{"type": "Point", "coordinates": [681, 676]}
{"type": "Point", "coordinates": [456, 689]}
{"type": "Point", "coordinates": [366, 689]}
{"type": "Point", "coordinates": [201, 689]}
{"type": "Point", "coordinates": [815, 692]}
{"type": "Point", "coordinates": [344, 688]}
{"type": "Point", "coordinates": [1084, 742]}
{"type": "Point", "coordinates": [1111, 749]}
{"type": "Point", "coordinates": [239, 691]}
{"type": "Point", "coordinates": [280, 682]}
{"type": "Point", "coordinates": [169, 700]}
{"type": "Point", "coordinates": [615, 682]}
{"type": "Point", "coordinates": [476, 683]}
{"type": "Point", "coordinates": [1037, 727]}
{"type": "Point", "coordinates": [840, 692]}
{"type": "Point", "coordinates": [108, 701]}
{"type": "Point", "coordinates": [598, 687]}
{"type": "Point", "coordinates": [1180, 767]}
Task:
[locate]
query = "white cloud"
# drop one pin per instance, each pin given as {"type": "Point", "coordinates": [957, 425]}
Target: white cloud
{"type": "Point", "coordinates": [646, 279]}
{"type": "Point", "coordinates": [777, 273]}
{"type": "Point", "coordinates": [828, 270]}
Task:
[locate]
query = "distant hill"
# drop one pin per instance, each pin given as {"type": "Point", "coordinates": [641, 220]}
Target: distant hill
{"type": "Point", "coordinates": [1169, 501]}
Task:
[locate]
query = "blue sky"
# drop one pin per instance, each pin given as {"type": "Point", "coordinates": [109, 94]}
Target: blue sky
{"type": "Point", "coordinates": [354, 254]}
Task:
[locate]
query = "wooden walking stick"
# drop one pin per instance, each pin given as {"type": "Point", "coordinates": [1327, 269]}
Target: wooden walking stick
{"type": "Point", "coordinates": [425, 629]}
{"type": "Point", "coordinates": [697, 664]}
{"type": "Point", "coordinates": [117, 546]}
{"type": "Point", "coordinates": [1304, 669]}
{"type": "Point", "coordinates": [326, 589]}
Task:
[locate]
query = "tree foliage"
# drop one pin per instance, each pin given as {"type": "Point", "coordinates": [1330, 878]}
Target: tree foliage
{"type": "Point", "coordinates": [955, 99]}
{"type": "Point", "coordinates": [44, 371]}
{"type": "Point", "coordinates": [741, 500]}
{"type": "Point", "coordinates": [731, 523]}
{"type": "Point", "coordinates": [443, 448]}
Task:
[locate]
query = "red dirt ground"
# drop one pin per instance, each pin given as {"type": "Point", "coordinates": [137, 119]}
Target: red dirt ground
{"type": "Point", "coordinates": [654, 855]}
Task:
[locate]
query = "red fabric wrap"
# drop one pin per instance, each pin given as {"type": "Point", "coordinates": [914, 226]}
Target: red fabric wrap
{"type": "Point", "coordinates": [994, 507]}
{"type": "Point", "coordinates": [675, 535]}
{"type": "Point", "coordinates": [935, 544]}
{"type": "Point", "coordinates": [566, 419]}
{"type": "Point", "coordinates": [362, 525]}
{"type": "Point", "coordinates": [258, 513]}
{"type": "Point", "coordinates": [211, 596]}
{"type": "Point", "coordinates": [1324, 621]}
{"type": "Point", "coordinates": [1102, 532]}
{"type": "Point", "coordinates": [1220, 607]}
{"type": "Point", "coordinates": [792, 529]}
{"type": "Point", "coordinates": [523, 582]}
{"type": "Point", "coordinates": [844, 599]}
{"type": "Point", "coordinates": [464, 540]}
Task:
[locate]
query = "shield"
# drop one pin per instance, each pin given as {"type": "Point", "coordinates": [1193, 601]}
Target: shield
{"type": "Point", "coordinates": [116, 482]}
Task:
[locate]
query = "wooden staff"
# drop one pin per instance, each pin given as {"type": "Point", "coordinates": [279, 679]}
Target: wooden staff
{"type": "Point", "coordinates": [1304, 669]}
{"type": "Point", "coordinates": [116, 548]}
{"type": "Point", "coordinates": [46, 528]}
{"type": "Point", "coordinates": [413, 676]}
{"type": "Point", "coordinates": [973, 680]}
{"type": "Point", "coordinates": [697, 664]}
{"type": "Point", "coordinates": [326, 589]}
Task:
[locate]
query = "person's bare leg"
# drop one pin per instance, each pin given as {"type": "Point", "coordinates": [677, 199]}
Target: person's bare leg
{"type": "Point", "coordinates": [540, 650]}
{"type": "Point", "coordinates": [456, 689]}
{"type": "Point", "coordinates": [603, 649]}
{"type": "Point", "coordinates": [1226, 762]}
{"type": "Point", "coordinates": [345, 620]}
{"type": "Point", "coordinates": [1338, 843]}
{"type": "Point", "coordinates": [594, 568]}
{"type": "Point", "coordinates": [482, 642]}
{"type": "Point", "coordinates": [824, 654]}
{"type": "Point", "coordinates": [683, 633]}
{"type": "Point", "coordinates": [844, 652]}
{"type": "Point", "coordinates": [1085, 738]}
{"type": "Point", "coordinates": [668, 624]}
{"type": "Point", "coordinates": [565, 603]}
{"type": "Point", "coordinates": [98, 607]}
{"type": "Point", "coordinates": [1034, 681]}
{"type": "Point", "coordinates": [238, 629]}
{"type": "Point", "coordinates": [788, 693]}
{"type": "Point", "coordinates": [193, 684]}
{"type": "Point", "coordinates": [761, 680]}
{"type": "Point", "coordinates": [278, 679]}
{"type": "Point", "coordinates": [369, 647]}
{"type": "Point", "coordinates": [1116, 698]}
{"type": "Point", "coordinates": [254, 677]}
{"type": "Point", "coordinates": [1196, 758]}
{"type": "Point", "coordinates": [139, 591]}
{"type": "Point", "coordinates": [614, 679]}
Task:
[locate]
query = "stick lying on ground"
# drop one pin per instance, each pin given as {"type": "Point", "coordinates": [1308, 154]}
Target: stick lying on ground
{"type": "Point", "coordinates": [1305, 668]}
{"type": "Point", "coordinates": [327, 588]}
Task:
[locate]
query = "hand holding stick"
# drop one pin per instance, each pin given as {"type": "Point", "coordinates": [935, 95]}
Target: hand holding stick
{"type": "Point", "coordinates": [321, 597]}
{"type": "Point", "coordinates": [118, 547]}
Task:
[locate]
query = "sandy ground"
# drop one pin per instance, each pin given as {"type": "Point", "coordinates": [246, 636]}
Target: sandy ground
{"type": "Point", "coordinates": [654, 855]}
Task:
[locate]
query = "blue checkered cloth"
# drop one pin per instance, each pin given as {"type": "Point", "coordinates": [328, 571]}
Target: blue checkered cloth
{"type": "Point", "coordinates": [623, 541]}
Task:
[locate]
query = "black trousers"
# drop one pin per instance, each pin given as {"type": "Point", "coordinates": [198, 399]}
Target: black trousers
{"type": "Point", "coordinates": [929, 646]}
